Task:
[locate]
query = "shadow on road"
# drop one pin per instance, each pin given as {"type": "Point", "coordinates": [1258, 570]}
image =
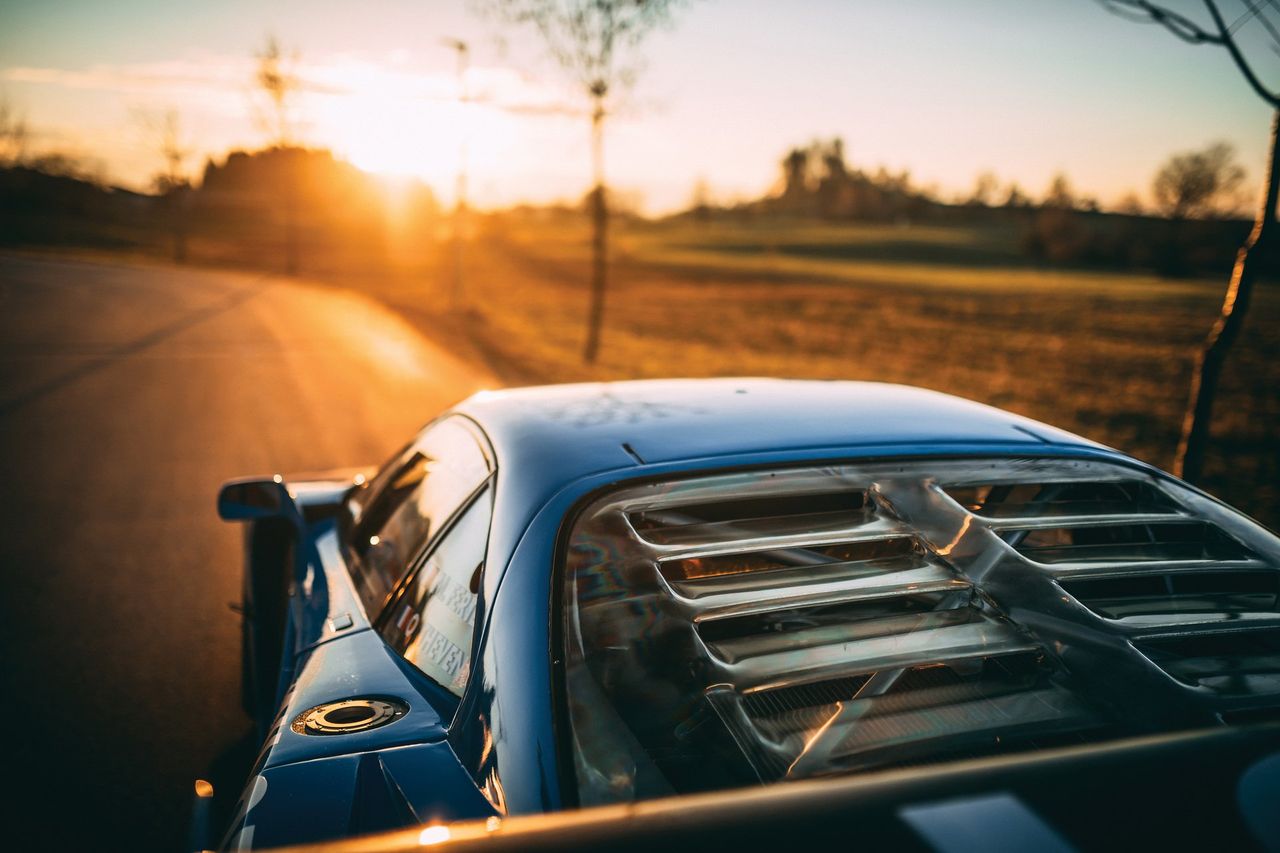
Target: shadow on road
{"type": "Point", "coordinates": [228, 774]}
{"type": "Point", "coordinates": [151, 339]}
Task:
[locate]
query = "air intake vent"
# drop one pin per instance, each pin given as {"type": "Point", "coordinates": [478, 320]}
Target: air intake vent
{"type": "Point", "coordinates": [1147, 594]}
{"type": "Point", "coordinates": [976, 706]}
{"type": "Point", "coordinates": [777, 624]}
{"type": "Point", "coordinates": [1127, 543]}
{"type": "Point", "coordinates": [1235, 662]}
{"type": "Point", "coordinates": [765, 516]}
{"type": "Point", "coordinates": [798, 630]}
{"type": "Point", "coordinates": [805, 557]}
{"type": "Point", "coordinates": [764, 704]}
{"type": "Point", "coordinates": [1062, 500]}
{"type": "Point", "coordinates": [895, 614]}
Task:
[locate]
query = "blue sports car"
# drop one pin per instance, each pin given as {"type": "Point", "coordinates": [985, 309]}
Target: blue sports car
{"type": "Point", "coordinates": [934, 620]}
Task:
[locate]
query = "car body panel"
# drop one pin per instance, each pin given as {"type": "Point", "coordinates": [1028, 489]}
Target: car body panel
{"type": "Point", "coordinates": [330, 606]}
{"type": "Point", "coordinates": [577, 429]}
{"type": "Point", "coordinates": [1131, 795]}
{"type": "Point", "coordinates": [514, 666]}
{"type": "Point", "coordinates": [359, 664]}
{"type": "Point", "coordinates": [358, 793]}
{"type": "Point", "coordinates": [498, 750]}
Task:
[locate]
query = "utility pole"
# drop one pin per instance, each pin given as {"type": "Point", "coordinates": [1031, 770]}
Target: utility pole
{"type": "Point", "coordinates": [460, 189]}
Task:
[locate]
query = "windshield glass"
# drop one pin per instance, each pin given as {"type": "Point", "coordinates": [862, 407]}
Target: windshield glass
{"type": "Point", "coordinates": [409, 502]}
{"type": "Point", "coordinates": [764, 626]}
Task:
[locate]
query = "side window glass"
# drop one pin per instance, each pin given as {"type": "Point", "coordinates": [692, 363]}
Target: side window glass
{"type": "Point", "coordinates": [432, 621]}
{"type": "Point", "coordinates": [409, 502]}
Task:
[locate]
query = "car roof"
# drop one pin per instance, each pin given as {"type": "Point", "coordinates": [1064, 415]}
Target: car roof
{"type": "Point", "coordinates": [565, 432]}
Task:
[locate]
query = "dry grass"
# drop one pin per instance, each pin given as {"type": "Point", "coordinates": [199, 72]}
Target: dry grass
{"type": "Point", "coordinates": [1105, 355]}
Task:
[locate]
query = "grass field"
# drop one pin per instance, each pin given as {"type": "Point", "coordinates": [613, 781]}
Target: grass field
{"type": "Point", "coordinates": [1104, 354]}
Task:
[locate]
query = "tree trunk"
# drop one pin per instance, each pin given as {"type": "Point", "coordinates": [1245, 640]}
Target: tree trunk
{"type": "Point", "coordinates": [459, 217]}
{"type": "Point", "coordinates": [457, 293]}
{"type": "Point", "coordinates": [1192, 446]}
{"type": "Point", "coordinates": [178, 222]}
{"type": "Point", "coordinates": [293, 178]}
{"type": "Point", "coordinates": [599, 238]}
{"type": "Point", "coordinates": [291, 235]}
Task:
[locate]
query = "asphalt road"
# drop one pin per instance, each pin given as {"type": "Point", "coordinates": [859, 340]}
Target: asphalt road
{"type": "Point", "coordinates": [127, 394]}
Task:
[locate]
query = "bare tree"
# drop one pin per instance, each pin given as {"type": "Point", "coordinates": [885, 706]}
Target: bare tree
{"type": "Point", "coordinates": [1060, 195]}
{"type": "Point", "coordinates": [463, 52]}
{"type": "Point", "coordinates": [1130, 205]}
{"type": "Point", "coordinates": [171, 182]}
{"type": "Point", "coordinates": [700, 200]}
{"type": "Point", "coordinates": [1197, 183]}
{"type": "Point", "coordinates": [985, 187]}
{"type": "Point", "coordinates": [592, 40]}
{"type": "Point", "coordinates": [276, 79]}
{"type": "Point", "coordinates": [13, 135]}
{"type": "Point", "coordinates": [1015, 197]}
{"type": "Point", "coordinates": [1194, 441]}
{"type": "Point", "coordinates": [798, 174]}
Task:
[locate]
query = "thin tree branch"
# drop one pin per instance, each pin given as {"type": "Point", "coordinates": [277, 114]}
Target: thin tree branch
{"type": "Point", "coordinates": [1143, 11]}
{"type": "Point", "coordinates": [1270, 27]}
{"type": "Point", "coordinates": [1189, 31]}
{"type": "Point", "coordinates": [1250, 10]}
{"type": "Point", "coordinates": [1255, 8]}
{"type": "Point", "coordinates": [1230, 44]}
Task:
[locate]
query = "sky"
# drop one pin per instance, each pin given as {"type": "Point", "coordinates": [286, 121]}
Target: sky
{"type": "Point", "coordinates": [1021, 88]}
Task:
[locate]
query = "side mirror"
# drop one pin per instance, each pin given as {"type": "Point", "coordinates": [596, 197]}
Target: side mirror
{"type": "Point", "coordinates": [249, 499]}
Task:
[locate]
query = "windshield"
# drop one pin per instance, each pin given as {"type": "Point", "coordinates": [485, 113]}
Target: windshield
{"type": "Point", "coordinates": [765, 626]}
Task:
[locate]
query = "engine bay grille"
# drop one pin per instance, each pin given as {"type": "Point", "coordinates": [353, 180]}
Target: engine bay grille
{"type": "Point", "coordinates": [789, 623]}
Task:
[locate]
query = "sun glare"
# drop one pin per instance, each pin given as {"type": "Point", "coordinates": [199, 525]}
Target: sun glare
{"type": "Point", "coordinates": [399, 124]}
{"type": "Point", "coordinates": [378, 133]}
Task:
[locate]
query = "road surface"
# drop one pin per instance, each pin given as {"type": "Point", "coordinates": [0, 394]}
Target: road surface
{"type": "Point", "coordinates": [127, 394]}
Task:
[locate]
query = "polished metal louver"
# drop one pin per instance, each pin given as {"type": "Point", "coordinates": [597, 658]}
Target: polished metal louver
{"type": "Point", "coordinates": [823, 620]}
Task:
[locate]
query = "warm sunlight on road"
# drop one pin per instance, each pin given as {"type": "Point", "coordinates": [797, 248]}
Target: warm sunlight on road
{"type": "Point", "coordinates": [126, 395]}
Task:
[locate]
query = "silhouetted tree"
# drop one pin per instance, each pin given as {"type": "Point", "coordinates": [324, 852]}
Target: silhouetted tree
{"type": "Point", "coordinates": [1193, 444]}
{"type": "Point", "coordinates": [1054, 230]}
{"type": "Point", "coordinates": [1130, 205]}
{"type": "Point", "coordinates": [700, 201]}
{"type": "Point", "coordinates": [985, 187]}
{"type": "Point", "coordinates": [795, 174]}
{"type": "Point", "coordinates": [834, 192]}
{"type": "Point", "coordinates": [171, 181]}
{"type": "Point", "coordinates": [1015, 197]}
{"type": "Point", "coordinates": [833, 166]}
{"type": "Point", "coordinates": [1194, 183]}
{"type": "Point", "coordinates": [60, 164]}
{"type": "Point", "coordinates": [275, 78]}
{"type": "Point", "coordinates": [1060, 195]}
{"type": "Point", "coordinates": [13, 135]}
{"type": "Point", "coordinates": [462, 52]}
{"type": "Point", "coordinates": [590, 39]}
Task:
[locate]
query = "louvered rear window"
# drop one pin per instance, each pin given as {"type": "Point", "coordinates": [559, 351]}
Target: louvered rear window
{"type": "Point", "coordinates": [755, 627]}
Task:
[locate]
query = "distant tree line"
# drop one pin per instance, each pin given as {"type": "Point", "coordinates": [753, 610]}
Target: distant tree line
{"type": "Point", "coordinates": [816, 180]}
{"type": "Point", "coordinates": [1194, 225]}
{"type": "Point", "coordinates": [232, 211]}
